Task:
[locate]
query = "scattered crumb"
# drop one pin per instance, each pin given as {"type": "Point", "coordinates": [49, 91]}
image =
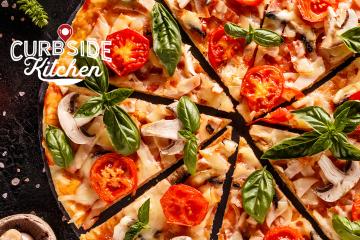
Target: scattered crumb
{"type": "Point", "coordinates": [43, 170]}
{"type": "Point", "coordinates": [14, 5]}
{"type": "Point", "coordinates": [18, 170]}
{"type": "Point", "coordinates": [1, 35]}
{"type": "Point", "coordinates": [12, 18]}
{"type": "Point", "coordinates": [22, 19]}
{"type": "Point", "coordinates": [13, 39]}
{"type": "Point", "coordinates": [2, 165]}
{"type": "Point", "coordinates": [37, 185]}
{"type": "Point", "coordinates": [21, 94]}
{"type": "Point", "coordinates": [5, 195]}
{"type": "Point", "coordinates": [15, 181]}
{"type": "Point", "coordinates": [4, 113]}
{"type": "Point", "coordinates": [26, 180]}
{"type": "Point", "coordinates": [4, 153]}
{"type": "Point", "coordinates": [64, 219]}
{"type": "Point", "coordinates": [5, 4]}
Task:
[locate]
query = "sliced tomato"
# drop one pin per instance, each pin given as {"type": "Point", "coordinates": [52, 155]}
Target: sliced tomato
{"type": "Point", "coordinates": [355, 96]}
{"type": "Point", "coordinates": [355, 212]}
{"type": "Point", "coordinates": [279, 116]}
{"type": "Point", "coordinates": [129, 51]}
{"type": "Point", "coordinates": [314, 10]}
{"type": "Point", "coordinates": [113, 176]}
{"type": "Point", "coordinates": [223, 47]}
{"type": "Point", "coordinates": [262, 87]}
{"type": "Point", "coordinates": [283, 233]}
{"type": "Point", "coordinates": [184, 205]}
{"type": "Point", "coordinates": [252, 3]}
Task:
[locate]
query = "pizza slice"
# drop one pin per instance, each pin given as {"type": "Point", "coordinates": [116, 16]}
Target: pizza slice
{"type": "Point", "coordinates": [267, 213]}
{"type": "Point", "coordinates": [345, 86]}
{"type": "Point", "coordinates": [314, 34]}
{"type": "Point", "coordinates": [146, 52]}
{"type": "Point", "coordinates": [111, 150]}
{"type": "Point", "coordinates": [325, 183]}
{"type": "Point", "coordinates": [182, 207]}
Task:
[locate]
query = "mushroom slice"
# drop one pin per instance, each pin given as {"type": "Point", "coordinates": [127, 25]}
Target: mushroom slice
{"type": "Point", "coordinates": [174, 148]}
{"type": "Point", "coordinates": [68, 122]}
{"type": "Point", "coordinates": [341, 182]}
{"type": "Point", "coordinates": [164, 129]}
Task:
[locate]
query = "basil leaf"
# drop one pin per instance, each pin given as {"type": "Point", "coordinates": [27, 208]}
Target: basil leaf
{"type": "Point", "coordinates": [341, 148]}
{"type": "Point", "coordinates": [341, 120]}
{"type": "Point", "coordinates": [118, 95]}
{"type": "Point", "coordinates": [235, 31]}
{"type": "Point", "coordinates": [98, 84]}
{"type": "Point", "coordinates": [301, 146]}
{"type": "Point", "coordinates": [122, 130]}
{"type": "Point", "coordinates": [143, 213]}
{"type": "Point", "coordinates": [166, 37]}
{"type": "Point", "coordinates": [351, 38]}
{"type": "Point", "coordinates": [188, 114]}
{"type": "Point", "coordinates": [187, 135]}
{"type": "Point", "coordinates": [316, 117]}
{"type": "Point", "coordinates": [267, 38]}
{"type": "Point", "coordinates": [134, 230]}
{"type": "Point", "coordinates": [346, 229]}
{"type": "Point", "coordinates": [190, 155]}
{"type": "Point", "coordinates": [257, 194]}
{"type": "Point", "coordinates": [59, 146]}
{"type": "Point", "coordinates": [353, 116]}
{"type": "Point", "coordinates": [90, 108]}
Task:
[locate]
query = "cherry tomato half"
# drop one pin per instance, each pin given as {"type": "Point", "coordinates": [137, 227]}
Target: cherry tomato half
{"type": "Point", "coordinates": [184, 205]}
{"type": "Point", "coordinates": [252, 3]}
{"type": "Point", "coordinates": [283, 233]}
{"type": "Point", "coordinates": [113, 176]}
{"type": "Point", "coordinates": [355, 96]}
{"type": "Point", "coordinates": [129, 51]}
{"type": "Point", "coordinates": [314, 10]}
{"type": "Point", "coordinates": [262, 87]}
{"type": "Point", "coordinates": [223, 47]}
{"type": "Point", "coordinates": [355, 212]}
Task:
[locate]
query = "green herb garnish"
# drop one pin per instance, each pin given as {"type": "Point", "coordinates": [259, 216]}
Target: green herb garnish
{"type": "Point", "coordinates": [351, 38]}
{"type": "Point", "coordinates": [189, 115]}
{"type": "Point", "coordinates": [257, 194]}
{"type": "Point", "coordinates": [140, 224]}
{"type": "Point", "coordinates": [166, 37]}
{"type": "Point", "coordinates": [262, 37]}
{"type": "Point", "coordinates": [327, 134]}
{"type": "Point", "coordinates": [35, 11]}
{"type": "Point", "coordinates": [346, 229]}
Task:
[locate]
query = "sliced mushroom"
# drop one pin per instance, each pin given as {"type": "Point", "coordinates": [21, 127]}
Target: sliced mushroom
{"type": "Point", "coordinates": [342, 182]}
{"type": "Point", "coordinates": [164, 129]}
{"type": "Point", "coordinates": [174, 148]}
{"type": "Point", "coordinates": [68, 122]}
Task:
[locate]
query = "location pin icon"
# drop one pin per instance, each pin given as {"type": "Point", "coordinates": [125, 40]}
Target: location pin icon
{"type": "Point", "coordinates": [65, 31]}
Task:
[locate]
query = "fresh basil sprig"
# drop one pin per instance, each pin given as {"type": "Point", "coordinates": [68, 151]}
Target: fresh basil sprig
{"type": "Point", "coordinates": [327, 134]}
{"type": "Point", "coordinates": [189, 115]}
{"type": "Point", "coordinates": [351, 38]}
{"type": "Point", "coordinates": [346, 229]}
{"type": "Point", "coordinates": [140, 224]}
{"type": "Point", "coordinates": [262, 37]}
{"type": "Point", "coordinates": [257, 194]}
{"type": "Point", "coordinates": [166, 37]}
{"type": "Point", "coordinates": [59, 146]}
{"type": "Point", "coordinates": [122, 130]}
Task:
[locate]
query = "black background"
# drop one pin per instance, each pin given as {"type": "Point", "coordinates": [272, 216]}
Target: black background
{"type": "Point", "coordinates": [19, 127]}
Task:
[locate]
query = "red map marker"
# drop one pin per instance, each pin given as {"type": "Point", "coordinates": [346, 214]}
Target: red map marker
{"type": "Point", "coordinates": [65, 31]}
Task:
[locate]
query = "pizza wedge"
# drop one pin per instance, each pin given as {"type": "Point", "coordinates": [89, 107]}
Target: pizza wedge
{"type": "Point", "coordinates": [112, 149]}
{"type": "Point", "coordinates": [146, 51]}
{"type": "Point", "coordinates": [265, 214]}
{"type": "Point", "coordinates": [182, 207]}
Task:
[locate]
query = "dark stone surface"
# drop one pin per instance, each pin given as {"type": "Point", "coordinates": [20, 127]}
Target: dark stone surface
{"type": "Point", "coordinates": [19, 145]}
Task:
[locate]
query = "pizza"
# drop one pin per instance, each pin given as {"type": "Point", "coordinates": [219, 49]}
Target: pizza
{"type": "Point", "coordinates": [140, 60]}
{"type": "Point", "coordinates": [280, 221]}
{"type": "Point", "coordinates": [261, 76]}
{"type": "Point", "coordinates": [82, 156]}
{"type": "Point", "coordinates": [326, 184]}
{"type": "Point", "coordinates": [181, 206]}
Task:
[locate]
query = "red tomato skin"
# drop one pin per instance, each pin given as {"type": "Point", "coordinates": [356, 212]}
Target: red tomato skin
{"type": "Point", "coordinates": [251, 3]}
{"type": "Point", "coordinates": [100, 184]}
{"type": "Point", "coordinates": [269, 80]}
{"type": "Point", "coordinates": [355, 212]}
{"type": "Point", "coordinates": [184, 205]}
{"type": "Point", "coordinates": [222, 47]}
{"type": "Point", "coordinates": [314, 10]}
{"type": "Point", "coordinates": [355, 96]}
{"type": "Point", "coordinates": [129, 51]}
{"type": "Point", "coordinates": [283, 233]}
